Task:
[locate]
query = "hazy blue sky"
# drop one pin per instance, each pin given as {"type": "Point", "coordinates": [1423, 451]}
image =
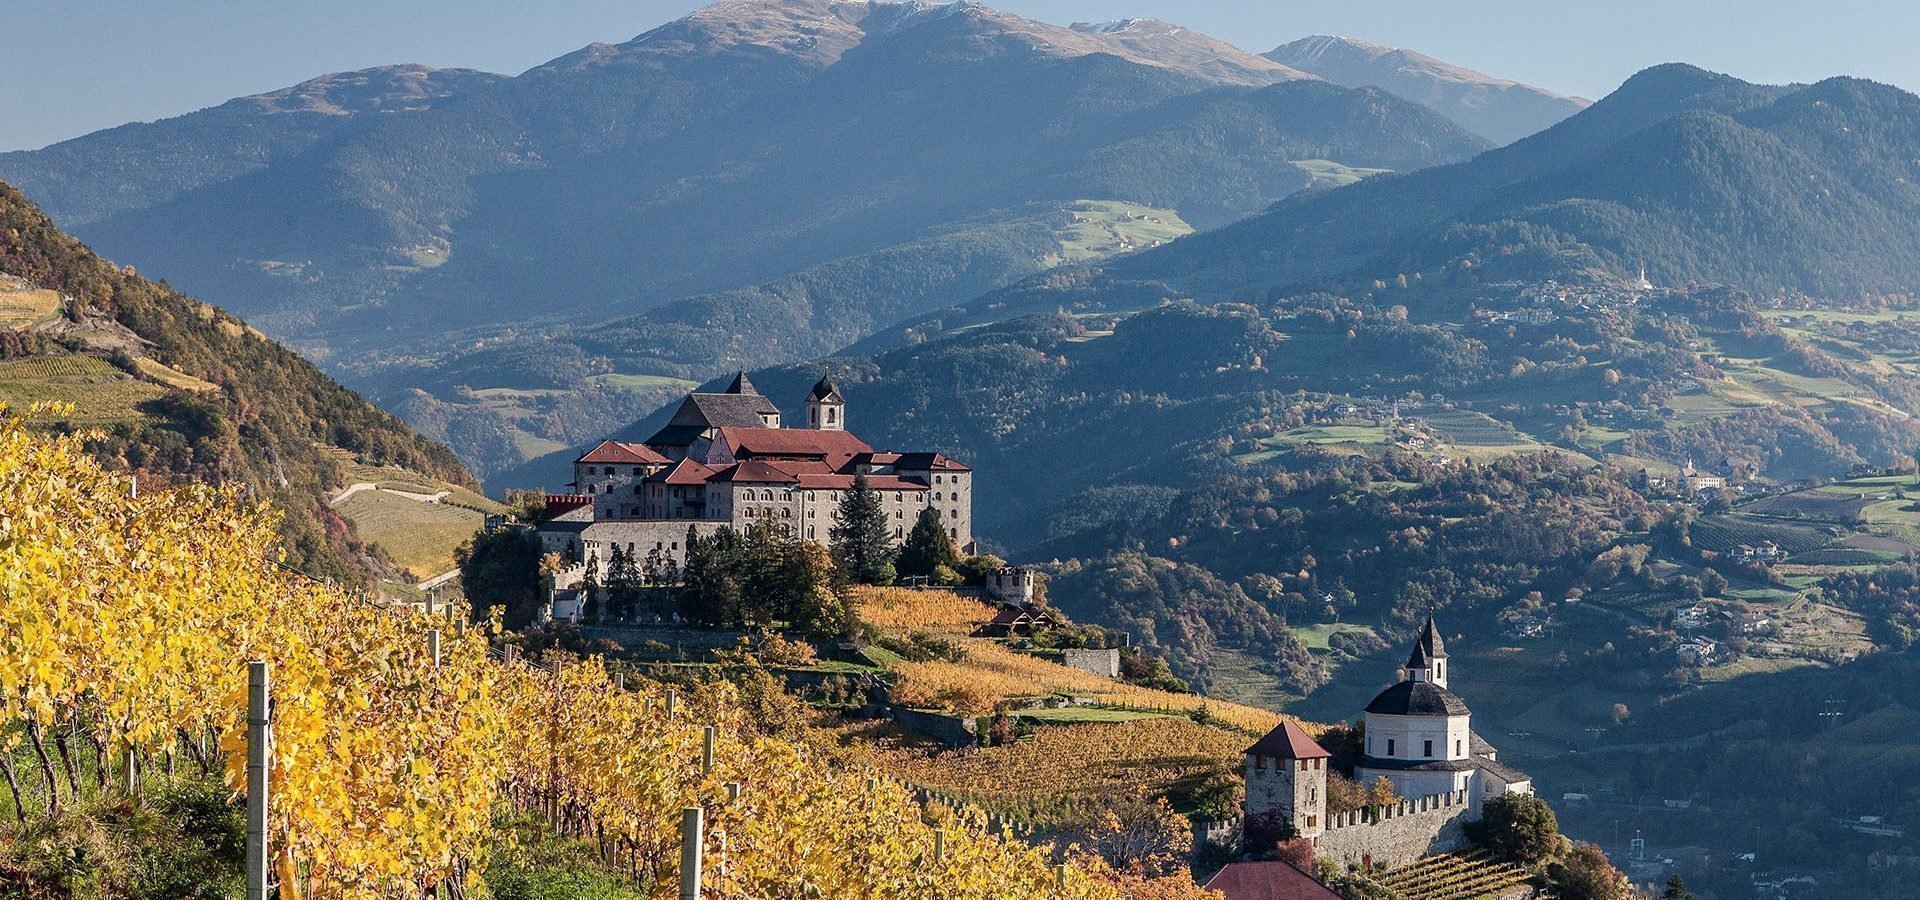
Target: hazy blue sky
{"type": "Point", "coordinates": [68, 67]}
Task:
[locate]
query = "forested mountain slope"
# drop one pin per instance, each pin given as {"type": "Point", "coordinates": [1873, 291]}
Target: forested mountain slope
{"type": "Point", "coordinates": [179, 389]}
{"type": "Point", "coordinates": [1797, 191]}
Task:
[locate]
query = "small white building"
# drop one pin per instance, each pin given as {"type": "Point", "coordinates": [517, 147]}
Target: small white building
{"type": "Point", "coordinates": [1012, 584]}
{"type": "Point", "coordinates": [1420, 735]}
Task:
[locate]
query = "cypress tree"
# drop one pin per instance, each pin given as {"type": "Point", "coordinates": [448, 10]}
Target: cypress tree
{"type": "Point", "coordinates": [928, 546]}
{"type": "Point", "coordinates": [860, 545]}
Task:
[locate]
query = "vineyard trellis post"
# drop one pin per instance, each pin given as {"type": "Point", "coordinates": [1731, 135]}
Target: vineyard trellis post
{"type": "Point", "coordinates": [259, 732]}
{"type": "Point", "coordinates": [706, 751]}
{"type": "Point", "coordinates": [691, 828]}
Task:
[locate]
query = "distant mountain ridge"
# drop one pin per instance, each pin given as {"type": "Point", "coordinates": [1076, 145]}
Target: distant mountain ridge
{"type": "Point", "coordinates": [1698, 177]}
{"type": "Point", "coordinates": [1501, 110]}
{"type": "Point", "coordinates": [742, 145]}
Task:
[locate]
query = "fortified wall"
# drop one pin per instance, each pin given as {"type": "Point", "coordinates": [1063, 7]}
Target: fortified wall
{"type": "Point", "coordinates": [1399, 833]}
{"type": "Point", "coordinates": [1387, 836]}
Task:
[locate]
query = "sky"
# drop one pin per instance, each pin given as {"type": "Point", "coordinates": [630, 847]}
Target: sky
{"type": "Point", "coordinates": [68, 67]}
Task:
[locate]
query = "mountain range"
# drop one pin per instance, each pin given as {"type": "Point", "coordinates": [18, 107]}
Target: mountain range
{"type": "Point", "coordinates": [1501, 110]}
{"type": "Point", "coordinates": [755, 183]}
{"type": "Point", "coordinates": [1803, 191]}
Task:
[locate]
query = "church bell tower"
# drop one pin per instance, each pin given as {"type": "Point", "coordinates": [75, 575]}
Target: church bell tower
{"type": "Point", "coordinates": [826, 408]}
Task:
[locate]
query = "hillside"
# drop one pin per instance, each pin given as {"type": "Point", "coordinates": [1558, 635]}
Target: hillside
{"type": "Point", "coordinates": [177, 389]}
{"type": "Point", "coordinates": [694, 173]}
{"type": "Point", "coordinates": [1503, 111]}
{"type": "Point", "coordinates": [1782, 191]}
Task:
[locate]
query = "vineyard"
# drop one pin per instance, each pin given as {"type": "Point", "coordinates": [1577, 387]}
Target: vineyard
{"type": "Point", "coordinates": [1464, 428]}
{"type": "Point", "coordinates": [1453, 876]}
{"type": "Point", "coordinates": [905, 611]}
{"type": "Point", "coordinates": [99, 393]}
{"type": "Point", "coordinates": [990, 673]}
{"type": "Point", "coordinates": [129, 623]}
{"type": "Point", "coordinates": [1724, 533]}
{"type": "Point", "coordinates": [1058, 770]}
{"type": "Point", "coordinates": [22, 305]}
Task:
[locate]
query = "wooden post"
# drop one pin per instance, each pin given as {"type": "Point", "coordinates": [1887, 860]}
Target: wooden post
{"type": "Point", "coordinates": [259, 733]}
{"type": "Point", "coordinates": [733, 791]}
{"type": "Point", "coordinates": [706, 751]}
{"type": "Point", "coordinates": [690, 838]}
{"type": "Point", "coordinates": [433, 646]}
{"type": "Point", "coordinates": [939, 845]}
{"type": "Point", "coordinates": [1060, 878]}
{"type": "Point", "coordinates": [673, 697]}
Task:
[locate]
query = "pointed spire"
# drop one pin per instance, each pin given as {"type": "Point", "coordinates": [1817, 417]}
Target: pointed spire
{"type": "Point", "coordinates": [741, 385]}
{"type": "Point", "coordinates": [1427, 646]}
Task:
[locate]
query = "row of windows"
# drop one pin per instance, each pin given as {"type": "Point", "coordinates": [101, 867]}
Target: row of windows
{"type": "Point", "coordinates": [638, 472]}
{"type": "Point", "coordinates": [1426, 748]}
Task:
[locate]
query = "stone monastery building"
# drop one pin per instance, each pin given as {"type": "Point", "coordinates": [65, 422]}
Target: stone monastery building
{"type": "Point", "coordinates": [1420, 737]}
{"type": "Point", "coordinates": [724, 459]}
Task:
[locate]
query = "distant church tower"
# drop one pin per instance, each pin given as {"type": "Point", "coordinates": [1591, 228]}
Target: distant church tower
{"type": "Point", "coordinates": [1286, 775]}
{"type": "Point", "coordinates": [1429, 659]}
{"type": "Point", "coordinates": [826, 409]}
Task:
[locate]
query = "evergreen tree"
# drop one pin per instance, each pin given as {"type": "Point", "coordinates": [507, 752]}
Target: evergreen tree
{"type": "Point", "coordinates": [590, 599]}
{"type": "Point", "coordinates": [710, 589]}
{"type": "Point", "coordinates": [622, 582]}
{"type": "Point", "coordinates": [860, 545]}
{"type": "Point", "coordinates": [1676, 890]}
{"type": "Point", "coordinates": [927, 547]}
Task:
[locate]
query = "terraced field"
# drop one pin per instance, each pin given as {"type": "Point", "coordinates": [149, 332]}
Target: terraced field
{"type": "Point", "coordinates": [100, 394]}
{"type": "Point", "coordinates": [1454, 876]}
{"type": "Point", "coordinates": [23, 306]}
{"type": "Point", "coordinates": [420, 537]}
{"type": "Point", "coordinates": [1724, 533]}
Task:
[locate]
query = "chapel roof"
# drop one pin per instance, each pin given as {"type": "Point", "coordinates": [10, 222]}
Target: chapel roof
{"type": "Point", "coordinates": [1417, 698]}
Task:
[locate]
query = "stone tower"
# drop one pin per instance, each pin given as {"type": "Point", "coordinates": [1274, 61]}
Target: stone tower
{"type": "Point", "coordinates": [826, 408]}
{"type": "Point", "coordinates": [1287, 782]}
{"type": "Point", "coordinates": [1428, 662]}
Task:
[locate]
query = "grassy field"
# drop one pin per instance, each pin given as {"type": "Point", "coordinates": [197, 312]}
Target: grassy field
{"type": "Point", "coordinates": [420, 537]}
{"type": "Point", "coordinates": [1082, 715]}
{"type": "Point", "coordinates": [23, 306]}
{"type": "Point", "coordinates": [1327, 173]}
{"type": "Point", "coordinates": [173, 377]}
{"type": "Point", "coordinates": [1103, 228]}
{"type": "Point", "coordinates": [1316, 636]}
{"type": "Point", "coordinates": [643, 382]}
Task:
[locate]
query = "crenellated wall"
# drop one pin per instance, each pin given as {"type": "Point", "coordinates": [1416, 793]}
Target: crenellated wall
{"type": "Point", "coordinates": [1399, 833]}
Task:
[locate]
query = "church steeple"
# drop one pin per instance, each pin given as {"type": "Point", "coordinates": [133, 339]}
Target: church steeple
{"type": "Point", "coordinates": [741, 385]}
{"type": "Point", "coordinates": [1428, 662]}
{"type": "Point", "coordinates": [826, 408]}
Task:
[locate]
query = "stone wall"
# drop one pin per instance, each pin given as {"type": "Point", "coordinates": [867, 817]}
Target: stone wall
{"type": "Point", "coordinates": [954, 731]}
{"type": "Point", "coordinates": [1400, 833]}
{"type": "Point", "coordinates": [1104, 663]}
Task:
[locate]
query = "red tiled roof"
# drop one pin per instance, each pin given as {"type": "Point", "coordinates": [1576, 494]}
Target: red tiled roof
{"type": "Point", "coordinates": [1274, 879]}
{"type": "Point", "coordinates": [753, 471]}
{"type": "Point", "coordinates": [686, 471]}
{"type": "Point", "coordinates": [837, 447]}
{"type": "Point", "coordinates": [622, 453]}
{"type": "Point", "coordinates": [845, 482]}
{"type": "Point", "coordinates": [1288, 741]}
{"type": "Point", "coordinates": [938, 462]}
